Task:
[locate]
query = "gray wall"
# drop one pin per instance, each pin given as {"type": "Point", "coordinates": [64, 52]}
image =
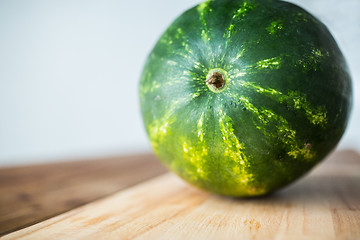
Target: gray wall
{"type": "Point", "coordinates": [69, 72]}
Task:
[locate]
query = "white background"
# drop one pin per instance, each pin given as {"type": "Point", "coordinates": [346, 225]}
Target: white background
{"type": "Point", "coordinates": [69, 73]}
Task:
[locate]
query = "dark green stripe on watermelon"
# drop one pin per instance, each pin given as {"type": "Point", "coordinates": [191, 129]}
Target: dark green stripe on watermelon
{"type": "Point", "coordinates": [284, 107]}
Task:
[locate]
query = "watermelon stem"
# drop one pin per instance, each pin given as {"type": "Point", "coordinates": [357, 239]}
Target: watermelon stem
{"type": "Point", "coordinates": [216, 80]}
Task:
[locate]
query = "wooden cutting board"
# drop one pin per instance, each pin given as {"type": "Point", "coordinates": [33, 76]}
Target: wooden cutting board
{"type": "Point", "coordinates": [323, 205]}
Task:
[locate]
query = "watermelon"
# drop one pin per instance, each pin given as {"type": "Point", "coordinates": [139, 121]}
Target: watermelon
{"type": "Point", "coordinates": [242, 97]}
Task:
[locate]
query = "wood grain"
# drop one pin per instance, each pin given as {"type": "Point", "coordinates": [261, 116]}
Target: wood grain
{"type": "Point", "coordinates": [323, 205]}
{"type": "Point", "coordinates": [34, 193]}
